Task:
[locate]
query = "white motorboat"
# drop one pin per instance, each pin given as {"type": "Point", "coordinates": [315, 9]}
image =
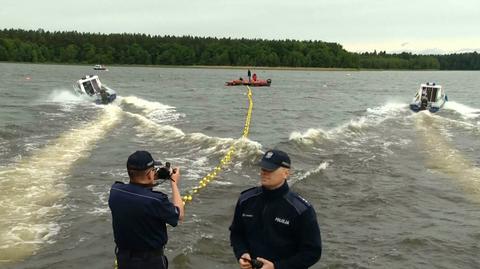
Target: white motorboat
{"type": "Point", "coordinates": [429, 96]}
{"type": "Point", "coordinates": [92, 87]}
{"type": "Point", "coordinates": [100, 67]}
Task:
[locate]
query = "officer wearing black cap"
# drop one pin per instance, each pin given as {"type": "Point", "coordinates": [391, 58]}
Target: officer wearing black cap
{"type": "Point", "coordinates": [140, 214]}
{"type": "Point", "coordinates": [274, 227]}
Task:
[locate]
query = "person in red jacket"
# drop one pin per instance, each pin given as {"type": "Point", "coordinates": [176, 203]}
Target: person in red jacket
{"type": "Point", "coordinates": [254, 77]}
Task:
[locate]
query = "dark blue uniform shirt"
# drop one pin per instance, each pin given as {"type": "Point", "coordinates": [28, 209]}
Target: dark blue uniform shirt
{"type": "Point", "coordinates": [139, 217]}
{"type": "Point", "coordinates": [277, 225]}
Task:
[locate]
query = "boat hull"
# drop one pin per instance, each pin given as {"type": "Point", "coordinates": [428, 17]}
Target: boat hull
{"type": "Point", "coordinates": [100, 67]}
{"type": "Point", "coordinates": [253, 83]}
{"type": "Point", "coordinates": [416, 107]}
{"type": "Point", "coordinates": [110, 98]}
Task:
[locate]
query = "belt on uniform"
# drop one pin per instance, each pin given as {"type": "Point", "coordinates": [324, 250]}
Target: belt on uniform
{"type": "Point", "coordinates": [139, 253]}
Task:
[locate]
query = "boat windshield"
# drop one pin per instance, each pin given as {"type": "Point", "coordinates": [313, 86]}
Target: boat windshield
{"type": "Point", "coordinates": [430, 93]}
{"type": "Point", "coordinates": [91, 86]}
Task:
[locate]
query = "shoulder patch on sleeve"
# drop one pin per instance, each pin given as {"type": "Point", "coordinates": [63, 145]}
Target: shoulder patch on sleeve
{"type": "Point", "coordinates": [247, 194]}
{"type": "Point", "coordinates": [298, 202]}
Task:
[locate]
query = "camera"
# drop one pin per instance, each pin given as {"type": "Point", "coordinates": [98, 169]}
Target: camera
{"type": "Point", "coordinates": [256, 264]}
{"type": "Point", "coordinates": [164, 172]}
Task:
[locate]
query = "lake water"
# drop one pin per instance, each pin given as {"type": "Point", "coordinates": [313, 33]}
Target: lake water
{"type": "Point", "coordinates": [392, 189]}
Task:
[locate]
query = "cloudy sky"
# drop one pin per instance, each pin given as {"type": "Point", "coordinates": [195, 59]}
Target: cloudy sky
{"type": "Point", "coordinates": [419, 26]}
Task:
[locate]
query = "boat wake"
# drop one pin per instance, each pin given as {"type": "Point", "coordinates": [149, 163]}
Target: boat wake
{"type": "Point", "coordinates": [33, 187]}
{"type": "Point", "coordinates": [155, 111]}
{"type": "Point", "coordinates": [154, 119]}
{"type": "Point", "coordinates": [322, 166]}
{"type": "Point", "coordinates": [66, 99]}
{"type": "Point", "coordinates": [465, 111]}
{"type": "Point", "coordinates": [374, 116]}
{"type": "Point", "coordinates": [64, 96]}
{"type": "Point", "coordinates": [443, 157]}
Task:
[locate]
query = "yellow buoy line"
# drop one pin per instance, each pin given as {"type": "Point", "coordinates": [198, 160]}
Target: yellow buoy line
{"type": "Point", "coordinates": [225, 160]}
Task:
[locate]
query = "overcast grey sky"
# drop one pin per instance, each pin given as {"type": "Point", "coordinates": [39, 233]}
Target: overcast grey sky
{"type": "Point", "coordinates": [420, 26]}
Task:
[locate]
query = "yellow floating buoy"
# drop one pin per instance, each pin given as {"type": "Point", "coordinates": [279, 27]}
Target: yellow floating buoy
{"type": "Point", "coordinates": [226, 158]}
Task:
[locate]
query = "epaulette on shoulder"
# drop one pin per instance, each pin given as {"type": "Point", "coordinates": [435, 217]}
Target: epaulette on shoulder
{"type": "Point", "coordinates": [298, 202]}
{"type": "Point", "coordinates": [249, 193]}
{"type": "Point", "coordinates": [119, 182]}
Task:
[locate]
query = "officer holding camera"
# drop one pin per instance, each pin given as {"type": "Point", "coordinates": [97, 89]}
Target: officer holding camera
{"type": "Point", "coordinates": [273, 227]}
{"type": "Point", "coordinates": [140, 214]}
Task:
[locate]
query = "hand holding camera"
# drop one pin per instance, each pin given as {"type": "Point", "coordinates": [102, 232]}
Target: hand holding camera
{"type": "Point", "coordinates": [167, 172]}
{"type": "Point", "coordinates": [254, 263]}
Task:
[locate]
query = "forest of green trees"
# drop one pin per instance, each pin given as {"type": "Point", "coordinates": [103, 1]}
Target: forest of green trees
{"type": "Point", "coordinates": [139, 49]}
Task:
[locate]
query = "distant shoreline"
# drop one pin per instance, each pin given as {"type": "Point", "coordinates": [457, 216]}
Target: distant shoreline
{"type": "Point", "coordinates": [204, 66]}
{"type": "Point", "coordinates": [283, 68]}
{"type": "Point", "coordinates": [206, 52]}
{"type": "Point", "coordinates": [280, 68]}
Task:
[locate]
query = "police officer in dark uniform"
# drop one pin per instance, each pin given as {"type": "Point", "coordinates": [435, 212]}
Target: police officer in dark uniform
{"type": "Point", "coordinates": [140, 214]}
{"type": "Point", "coordinates": [274, 227]}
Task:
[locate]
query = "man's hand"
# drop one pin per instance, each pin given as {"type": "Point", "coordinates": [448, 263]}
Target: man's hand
{"type": "Point", "coordinates": [175, 176]}
{"type": "Point", "coordinates": [266, 263]}
{"type": "Point", "coordinates": [245, 261]}
{"type": "Point", "coordinates": [176, 198]}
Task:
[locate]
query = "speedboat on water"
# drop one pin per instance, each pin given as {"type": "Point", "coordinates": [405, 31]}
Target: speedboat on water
{"type": "Point", "coordinates": [92, 87]}
{"type": "Point", "coordinates": [100, 67]}
{"type": "Point", "coordinates": [429, 96]}
{"type": "Point", "coordinates": [254, 83]}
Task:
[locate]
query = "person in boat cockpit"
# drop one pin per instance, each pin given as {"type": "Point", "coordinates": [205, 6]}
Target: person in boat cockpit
{"type": "Point", "coordinates": [104, 96]}
{"type": "Point", "coordinates": [423, 103]}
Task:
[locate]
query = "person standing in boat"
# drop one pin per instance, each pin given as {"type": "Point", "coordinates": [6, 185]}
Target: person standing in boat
{"type": "Point", "coordinates": [104, 96]}
{"type": "Point", "coordinates": [273, 225]}
{"type": "Point", "coordinates": [140, 214]}
{"type": "Point", "coordinates": [423, 103]}
{"type": "Point", "coordinates": [249, 74]}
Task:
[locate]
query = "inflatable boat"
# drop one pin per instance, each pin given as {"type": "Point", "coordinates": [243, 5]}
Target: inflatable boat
{"type": "Point", "coordinates": [253, 83]}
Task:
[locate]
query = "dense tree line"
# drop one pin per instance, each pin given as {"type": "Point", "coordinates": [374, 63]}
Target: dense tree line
{"type": "Point", "coordinates": [87, 48]}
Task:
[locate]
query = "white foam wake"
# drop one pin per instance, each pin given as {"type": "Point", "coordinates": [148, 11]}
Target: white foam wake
{"type": "Point", "coordinates": [148, 125]}
{"type": "Point", "coordinates": [64, 96]}
{"type": "Point", "coordinates": [464, 110]}
{"type": "Point", "coordinates": [154, 110]}
{"type": "Point", "coordinates": [320, 167]}
{"type": "Point", "coordinates": [201, 145]}
{"type": "Point", "coordinates": [443, 157]}
{"type": "Point", "coordinates": [373, 117]}
{"type": "Point", "coordinates": [33, 187]}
